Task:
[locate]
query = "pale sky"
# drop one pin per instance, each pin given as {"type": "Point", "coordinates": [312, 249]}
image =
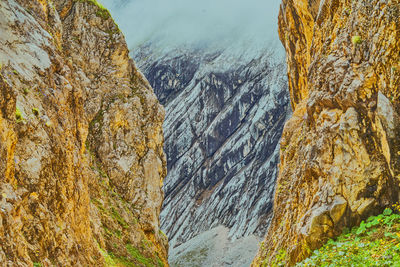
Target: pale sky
{"type": "Point", "coordinates": [196, 21]}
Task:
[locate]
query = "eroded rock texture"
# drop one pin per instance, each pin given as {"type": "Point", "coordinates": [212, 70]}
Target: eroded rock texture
{"type": "Point", "coordinates": [80, 141]}
{"type": "Point", "coordinates": [225, 111]}
{"type": "Point", "coordinates": [340, 158]}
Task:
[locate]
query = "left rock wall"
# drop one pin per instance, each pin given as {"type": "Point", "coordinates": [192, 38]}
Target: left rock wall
{"type": "Point", "coordinates": [81, 141]}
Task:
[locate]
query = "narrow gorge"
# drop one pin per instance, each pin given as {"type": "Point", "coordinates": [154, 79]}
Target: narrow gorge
{"type": "Point", "coordinates": [223, 124]}
{"type": "Point", "coordinates": [178, 135]}
{"type": "Point", "coordinates": [226, 102]}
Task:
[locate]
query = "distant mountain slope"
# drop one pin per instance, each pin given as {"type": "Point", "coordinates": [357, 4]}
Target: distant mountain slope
{"type": "Point", "coordinates": [225, 111]}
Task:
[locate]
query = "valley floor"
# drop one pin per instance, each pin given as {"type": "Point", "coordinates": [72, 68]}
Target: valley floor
{"type": "Point", "coordinates": [213, 248]}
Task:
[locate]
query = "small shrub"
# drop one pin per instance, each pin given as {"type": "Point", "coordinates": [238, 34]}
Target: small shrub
{"type": "Point", "coordinates": [18, 115]}
{"type": "Point", "coordinates": [356, 40]}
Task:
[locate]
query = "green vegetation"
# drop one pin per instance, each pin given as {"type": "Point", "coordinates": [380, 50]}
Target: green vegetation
{"type": "Point", "coordinates": [135, 253]}
{"type": "Point", "coordinates": [279, 260]}
{"type": "Point", "coordinates": [376, 242]}
{"type": "Point", "coordinates": [102, 12]}
{"type": "Point", "coordinates": [116, 216]}
{"type": "Point", "coordinates": [35, 112]}
{"type": "Point", "coordinates": [112, 260]}
{"type": "Point", "coordinates": [98, 119]}
{"type": "Point", "coordinates": [18, 115]}
{"type": "Point", "coordinates": [118, 233]}
{"type": "Point", "coordinates": [356, 40]}
{"type": "Point", "coordinates": [37, 264]}
{"type": "Point", "coordinates": [108, 258]}
{"type": "Point", "coordinates": [163, 234]}
{"type": "Point", "coordinates": [347, 11]}
{"type": "Point", "coordinates": [107, 231]}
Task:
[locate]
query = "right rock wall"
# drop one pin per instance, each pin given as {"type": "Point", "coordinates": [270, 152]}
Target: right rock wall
{"type": "Point", "coordinates": [340, 152]}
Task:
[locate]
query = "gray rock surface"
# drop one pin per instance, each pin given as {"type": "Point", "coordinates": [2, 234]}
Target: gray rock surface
{"type": "Point", "coordinates": [225, 111]}
{"type": "Point", "coordinates": [213, 248]}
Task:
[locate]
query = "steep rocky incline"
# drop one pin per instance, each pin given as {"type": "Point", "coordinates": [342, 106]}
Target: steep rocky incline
{"type": "Point", "coordinates": [81, 141]}
{"type": "Point", "coordinates": [225, 111]}
{"type": "Point", "coordinates": [340, 158]}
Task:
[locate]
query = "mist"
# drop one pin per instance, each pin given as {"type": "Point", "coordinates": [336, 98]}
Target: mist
{"type": "Point", "coordinates": [252, 23]}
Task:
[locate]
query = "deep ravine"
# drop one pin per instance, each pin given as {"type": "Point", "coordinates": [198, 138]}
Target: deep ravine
{"type": "Point", "coordinates": [226, 103]}
{"type": "Point", "coordinates": [85, 118]}
{"type": "Point", "coordinates": [224, 118]}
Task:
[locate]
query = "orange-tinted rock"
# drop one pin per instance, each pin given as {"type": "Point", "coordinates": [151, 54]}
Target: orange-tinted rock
{"type": "Point", "coordinates": [80, 140]}
{"type": "Point", "coordinates": [340, 159]}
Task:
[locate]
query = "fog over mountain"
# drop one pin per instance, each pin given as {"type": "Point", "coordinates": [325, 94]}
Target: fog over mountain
{"type": "Point", "coordinates": [249, 23]}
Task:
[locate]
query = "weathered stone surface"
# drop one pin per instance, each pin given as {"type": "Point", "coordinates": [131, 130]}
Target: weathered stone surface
{"type": "Point", "coordinates": [225, 112]}
{"type": "Point", "coordinates": [339, 152]}
{"type": "Point", "coordinates": [81, 140]}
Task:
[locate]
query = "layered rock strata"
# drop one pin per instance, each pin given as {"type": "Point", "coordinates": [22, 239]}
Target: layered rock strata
{"type": "Point", "coordinates": [225, 111]}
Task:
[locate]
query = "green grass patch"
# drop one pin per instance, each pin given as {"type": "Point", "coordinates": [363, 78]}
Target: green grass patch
{"type": "Point", "coordinates": [376, 242]}
{"type": "Point", "coordinates": [108, 258]}
{"type": "Point", "coordinates": [356, 40]}
{"type": "Point", "coordinates": [135, 253]}
{"type": "Point", "coordinates": [18, 115]}
{"type": "Point", "coordinates": [118, 218]}
{"type": "Point", "coordinates": [101, 12]}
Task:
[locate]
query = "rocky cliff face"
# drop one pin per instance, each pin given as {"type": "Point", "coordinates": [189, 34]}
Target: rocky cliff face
{"type": "Point", "coordinates": [340, 158]}
{"type": "Point", "coordinates": [80, 141]}
{"type": "Point", "coordinates": [225, 110]}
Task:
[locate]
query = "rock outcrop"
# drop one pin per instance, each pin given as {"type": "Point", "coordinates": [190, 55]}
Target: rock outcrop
{"type": "Point", "coordinates": [81, 142]}
{"type": "Point", "coordinates": [340, 158]}
{"type": "Point", "coordinates": [225, 111]}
